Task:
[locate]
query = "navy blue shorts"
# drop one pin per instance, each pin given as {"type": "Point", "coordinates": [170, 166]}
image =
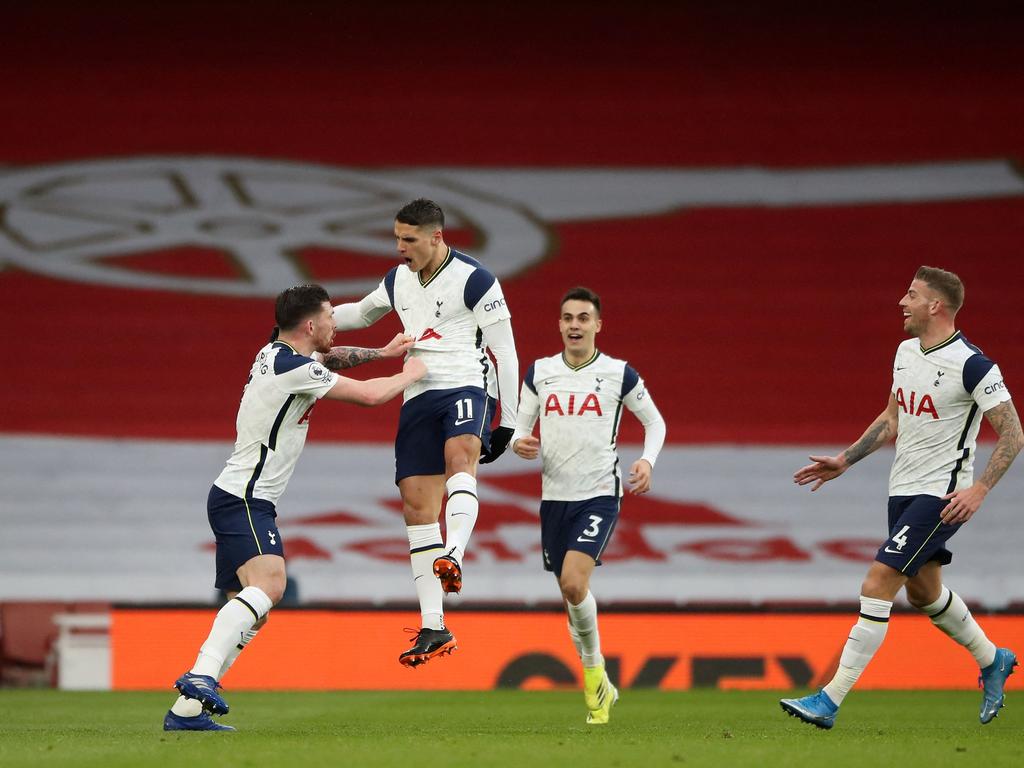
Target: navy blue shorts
{"type": "Point", "coordinates": [429, 419]}
{"type": "Point", "coordinates": [243, 529]}
{"type": "Point", "coordinates": [916, 534]}
{"type": "Point", "coordinates": [585, 526]}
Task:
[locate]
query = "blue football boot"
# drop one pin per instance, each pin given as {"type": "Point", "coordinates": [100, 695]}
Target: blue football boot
{"type": "Point", "coordinates": [201, 722]}
{"type": "Point", "coordinates": [816, 709]}
{"type": "Point", "coordinates": [203, 689]}
{"type": "Point", "coordinates": [992, 679]}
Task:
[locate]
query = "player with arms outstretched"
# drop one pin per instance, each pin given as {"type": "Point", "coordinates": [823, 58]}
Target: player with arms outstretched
{"type": "Point", "coordinates": [578, 396]}
{"type": "Point", "coordinates": [455, 310]}
{"type": "Point", "coordinates": [288, 377]}
{"type": "Point", "coordinates": [941, 385]}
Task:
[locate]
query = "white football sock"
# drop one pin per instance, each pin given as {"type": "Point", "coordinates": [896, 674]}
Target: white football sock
{"type": "Point", "coordinates": [424, 547]}
{"type": "Point", "coordinates": [233, 620]}
{"type": "Point", "coordinates": [583, 618]}
{"type": "Point", "coordinates": [575, 637]}
{"type": "Point", "coordinates": [460, 513]}
{"type": "Point", "coordinates": [865, 639]}
{"type": "Point", "coordinates": [950, 614]}
{"type": "Point", "coordinates": [247, 637]}
{"type": "Point", "coordinates": [187, 707]}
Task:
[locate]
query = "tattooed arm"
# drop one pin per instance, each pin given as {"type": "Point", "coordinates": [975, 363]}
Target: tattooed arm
{"type": "Point", "coordinates": [1006, 423]}
{"type": "Point", "coordinates": [882, 430]}
{"type": "Point", "coordinates": [965, 502]}
{"type": "Point", "coordinates": [826, 468]}
{"type": "Point", "coordinates": [340, 358]}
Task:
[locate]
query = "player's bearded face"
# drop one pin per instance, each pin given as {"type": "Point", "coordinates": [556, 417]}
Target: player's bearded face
{"type": "Point", "coordinates": [323, 329]}
{"type": "Point", "coordinates": [916, 305]}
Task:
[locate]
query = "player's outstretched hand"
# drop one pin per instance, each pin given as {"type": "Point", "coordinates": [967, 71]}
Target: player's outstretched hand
{"type": "Point", "coordinates": [499, 442]}
{"type": "Point", "coordinates": [416, 367]}
{"type": "Point", "coordinates": [527, 447]}
{"type": "Point", "coordinates": [823, 469]}
{"type": "Point", "coordinates": [398, 346]}
{"type": "Point", "coordinates": [640, 477]}
{"type": "Point", "coordinates": [963, 504]}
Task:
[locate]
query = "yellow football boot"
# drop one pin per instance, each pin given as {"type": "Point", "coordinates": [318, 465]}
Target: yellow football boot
{"type": "Point", "coordinates": [599, 694]}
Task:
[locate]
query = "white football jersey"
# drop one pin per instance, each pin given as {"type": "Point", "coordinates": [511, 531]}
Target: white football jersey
{"type": "Point", "coordinates": [580, 409]}
{"type": "Point", "coordinates": [445, 315]}
{"type": "Point", "coordinates": [272, 422]}
{"type": "Point", "coordinates": [941, 393]}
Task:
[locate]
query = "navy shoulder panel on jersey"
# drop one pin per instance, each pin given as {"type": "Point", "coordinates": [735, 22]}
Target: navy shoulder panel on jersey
{"type": "Point", "coordinates": [389, 285]}
{"type": "Point", "coordinates": [975, 369]}
{"type": "Point", "coordinates": [528, 378]}
{"type": "Point", "coordinates": [477, 285]}
{"type": "Point", "coordinates": [970, 346]}
{"type": "Point", "coordinates": [466, 259]}
{"type": "Point", "coordinates": [287, 359]}
{"type": "Point", "coordinates": [629, 379]}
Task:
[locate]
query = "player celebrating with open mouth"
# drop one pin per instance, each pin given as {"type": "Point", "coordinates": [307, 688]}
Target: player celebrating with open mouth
{"type": "Point", "coordinates": [456, 311]}
{"type": "Point", "coordinates": [941, 385]}
{"type": "Point", "coordinates": [578, 396]}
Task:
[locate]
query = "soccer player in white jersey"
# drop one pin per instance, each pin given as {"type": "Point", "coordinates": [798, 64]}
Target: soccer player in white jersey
{"type": "Point", "coordinates": [455, 310]}
{"type": "Point", "coordinates": [941, 385]}
{"type": "Point", "coordinates": [287, 378]}
{"type": "Point", "coordinates": [578, 396]}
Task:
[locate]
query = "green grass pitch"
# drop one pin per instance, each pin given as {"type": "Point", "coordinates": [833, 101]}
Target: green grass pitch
{"type": "Point", "coordinates": [507, 728]}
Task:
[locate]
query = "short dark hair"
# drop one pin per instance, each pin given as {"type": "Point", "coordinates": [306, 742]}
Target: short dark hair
{"type": "Point", "coordinates": [297, 303]}
{"type": "Point", "coordinates": [579, 293]}
{"type": "Point", "coordinates": [421, 213]}
{"type": "Point", "coordinates": [947, 284]}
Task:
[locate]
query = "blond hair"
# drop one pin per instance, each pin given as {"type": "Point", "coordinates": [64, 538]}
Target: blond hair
{"type": "Point", "coordinates": [947, 284]}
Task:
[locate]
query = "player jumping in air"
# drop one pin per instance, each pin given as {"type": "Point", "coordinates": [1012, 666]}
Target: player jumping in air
{"type": "Point", "coordinates": [455, 310]}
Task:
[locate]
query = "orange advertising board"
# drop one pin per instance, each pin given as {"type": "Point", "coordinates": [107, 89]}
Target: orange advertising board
{"type": "Point", "coordinates": [335, 650]}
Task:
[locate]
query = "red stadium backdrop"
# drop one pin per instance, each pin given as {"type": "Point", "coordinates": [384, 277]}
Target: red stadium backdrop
{"type": "Point", "coordinates": [752, 323]}
{"type": "Point", "coordinates": [750, 191]}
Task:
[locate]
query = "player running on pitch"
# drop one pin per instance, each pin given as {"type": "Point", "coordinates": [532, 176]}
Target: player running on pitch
{"type": "Point", "coordinates": [578, 396]}
{"type": "Point", "coordinates": [941, 385]}
{"type": "Point", "coordinates": [285, 382]}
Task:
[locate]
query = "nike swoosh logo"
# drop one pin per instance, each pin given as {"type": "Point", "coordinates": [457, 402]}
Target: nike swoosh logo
{"type": "Point", "coordinates": [404, 309]}
{"type": "Point", "coordinates": [462, 421]}
{"type": "Point", "coordinates": [902, 369]}
{"type": "Point", "coordinates": [549, 381]}
{"type": "Point", "coordinates": [893, 551]}
{"type": "Point", "coordinates": [580, 538]}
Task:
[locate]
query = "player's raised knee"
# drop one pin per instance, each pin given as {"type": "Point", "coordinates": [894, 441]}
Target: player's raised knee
{"type": "Point", "coordinates": [267, 572]}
